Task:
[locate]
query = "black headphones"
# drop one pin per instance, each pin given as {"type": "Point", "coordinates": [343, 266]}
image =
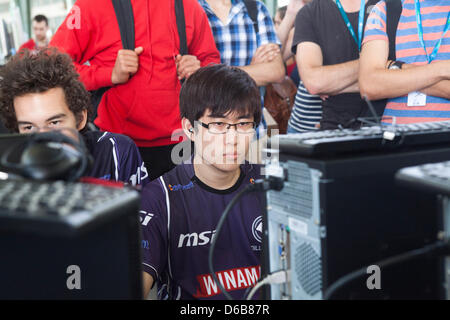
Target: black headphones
{"type": "Point", "coordinates": [49, 156]}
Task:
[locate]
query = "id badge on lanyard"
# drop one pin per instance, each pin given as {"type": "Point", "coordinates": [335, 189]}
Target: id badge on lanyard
{"type": "Point", "coordinates": [419, 99]}
{"type": "Point", "coordinates": [349, 25]}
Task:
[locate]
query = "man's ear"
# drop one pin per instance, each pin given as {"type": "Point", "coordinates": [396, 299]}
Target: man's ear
{"type": "Point", "coordinates": [83, 118]}
{"type": "Point", "coordinates": [187, 128]}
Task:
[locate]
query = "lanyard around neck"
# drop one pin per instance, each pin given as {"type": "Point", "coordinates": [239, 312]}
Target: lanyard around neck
{"type": "Point", "coordinates": [433, 54]}
{"type": "Point", "coordinates": [349, 25]}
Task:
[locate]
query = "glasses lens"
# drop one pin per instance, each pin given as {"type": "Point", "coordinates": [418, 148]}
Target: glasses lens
{"type": "Point", "coordinates": [221, 127]}
{"type": "Point", "coordinates": [245, 127]}
{"type": "Point", "coordinates": [218, 127]}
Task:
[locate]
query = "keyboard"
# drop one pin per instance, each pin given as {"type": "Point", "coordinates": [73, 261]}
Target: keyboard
{"type": "Point", "coordinates": [433, 177]}
{"type": "Point", "coordinates": [373, 138]}
{"type": "Point", "coordinates": [59, 207]}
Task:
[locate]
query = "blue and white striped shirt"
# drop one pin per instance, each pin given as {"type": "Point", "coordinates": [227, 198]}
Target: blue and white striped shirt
{"type": "Point", "coordinates": [307, 111]}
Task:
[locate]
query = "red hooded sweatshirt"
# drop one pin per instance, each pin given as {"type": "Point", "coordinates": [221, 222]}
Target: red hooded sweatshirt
{"type": "Point", "coordinates": [146, 108]}
{"type": "Point", "coordinates": [30, 45]}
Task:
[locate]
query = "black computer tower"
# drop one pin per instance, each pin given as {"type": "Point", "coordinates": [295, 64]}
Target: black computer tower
{"type": "Point", "coordinates": [43, 261]}
{"type": "Point", "coordinates": [340, 213]}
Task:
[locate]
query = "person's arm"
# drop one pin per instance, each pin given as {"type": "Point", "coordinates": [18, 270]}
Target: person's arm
{"type": "Point", "coordinates": [147, 283]}
{"type": "Point", "coordinates": [79, 43]}
{"type": "Point", "coordinates": [271, 70]}
{"type": "Point", "coordinates": [377, 82]}
{"type": "Point", "coordinates": [266, 72]}
{"type": "Point", "coordinates": [317, 78]}
{"type": "Point", "coordinates": [287, 52]}
{"type": "Point", "coordinates": [285, 28]}
{"type": "Point", "coordinates": [153, 217]}
{"type": "Point", "coordinates": [440, 89]}
{"type": "Point", "coordinates": [325, 80]}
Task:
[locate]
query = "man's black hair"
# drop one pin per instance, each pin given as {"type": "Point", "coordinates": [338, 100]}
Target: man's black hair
{"type": "Point", "coordinates": [222, 90]}
{"type": "Point", "coordinates": [40, 18]}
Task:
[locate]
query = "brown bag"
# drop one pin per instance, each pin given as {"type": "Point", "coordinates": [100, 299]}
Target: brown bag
{"type": "Point", "coordinates": [279, 100]}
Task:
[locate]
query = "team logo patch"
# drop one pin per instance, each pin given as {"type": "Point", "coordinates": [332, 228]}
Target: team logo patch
{"type": "Point", "coordinates": [179, 187]}
{"type": "Point", "coordinates": [145, 217]}
{"type": "Point", "coordinates": [257, 228]}
{"type": "Point", "coordinates": [232, 279]}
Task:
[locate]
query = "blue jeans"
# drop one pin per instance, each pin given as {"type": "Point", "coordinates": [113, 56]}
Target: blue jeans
{"type": "Point", "coordinates": [291, 129]}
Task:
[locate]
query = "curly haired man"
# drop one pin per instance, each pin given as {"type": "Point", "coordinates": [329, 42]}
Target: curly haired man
{"type": "Point", "coordinates": [41, 91]}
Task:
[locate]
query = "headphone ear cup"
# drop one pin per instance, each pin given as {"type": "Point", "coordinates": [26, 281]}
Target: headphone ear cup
{"type": "Point", "coordinates": [36, 164]}
{"type": "Point", "coordinates": [50, 156]}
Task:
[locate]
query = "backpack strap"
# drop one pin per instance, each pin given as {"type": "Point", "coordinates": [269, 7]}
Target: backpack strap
{"type": "Point", "coordinates": [181, 25]}
{"type": "Point", "coordinates": [125, 18]}
{"type": "Point", "coordinates": [252, 10]}
{"type": "Point", "coordinates": [393, 11]}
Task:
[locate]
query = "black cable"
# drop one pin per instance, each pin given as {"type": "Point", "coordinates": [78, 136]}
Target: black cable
{"type": "Point", "coordinates": [272, 183]}
{"type": "Point", "coordinates": [372, 110]}
{"type": "Point", "coordinates": [437, 248]}
{"type": "Point", "coordinates": [249, 188]}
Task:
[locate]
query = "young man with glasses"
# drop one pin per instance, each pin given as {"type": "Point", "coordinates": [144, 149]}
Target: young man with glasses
{"type": "Point", "coordinates": [220, 110]}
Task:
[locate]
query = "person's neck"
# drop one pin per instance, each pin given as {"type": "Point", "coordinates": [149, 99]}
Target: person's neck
{"type": "Point", "coordinates": [213, 177]}
{"type": "Point", "coordinates": [219, 2]}
{"type": "Point", "coordinates": [351, 5]}
{"type": "Point", "coordinates": [221, 8]}
{"type": "Point", "coordinates": [42, 44]}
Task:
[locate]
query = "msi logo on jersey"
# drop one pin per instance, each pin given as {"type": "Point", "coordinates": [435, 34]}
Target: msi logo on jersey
{"type": "Point", "coordinates": [195, 239]}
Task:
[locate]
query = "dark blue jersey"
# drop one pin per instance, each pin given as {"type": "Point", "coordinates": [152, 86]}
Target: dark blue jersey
{"type": "Point", "coordinates": [116, 158]}
{"type": "Point", "coordinates": [179, 218]}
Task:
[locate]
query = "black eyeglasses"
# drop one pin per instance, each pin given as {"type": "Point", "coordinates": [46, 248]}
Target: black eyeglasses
{"type": "Point", "coordinates": [223, 127]}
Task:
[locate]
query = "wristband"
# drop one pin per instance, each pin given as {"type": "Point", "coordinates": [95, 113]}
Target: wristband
{"type": "Point", "coordinates": [396, 65]}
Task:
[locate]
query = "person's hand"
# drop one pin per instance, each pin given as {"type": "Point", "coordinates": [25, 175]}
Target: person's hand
{"type": "Point", "coordinates": [127, 64]}
{"type": "Point", "coordinates": [186, 65]}
{"type": "Point", "coordinates": [266, 53]}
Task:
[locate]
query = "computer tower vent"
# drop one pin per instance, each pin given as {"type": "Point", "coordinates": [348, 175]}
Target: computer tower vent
{"type": "Point", "coordinates": [296, 197]}
{"type": "Point", "coordinates": [308, 268]}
